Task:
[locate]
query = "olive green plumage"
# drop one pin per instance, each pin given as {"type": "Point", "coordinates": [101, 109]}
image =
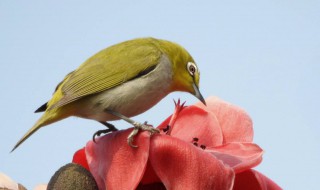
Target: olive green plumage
{"type": "Point", "coordinates": [111, 79]}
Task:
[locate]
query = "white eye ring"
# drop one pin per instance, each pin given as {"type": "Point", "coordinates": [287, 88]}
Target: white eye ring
{"type": "Point", "coordinates": [192, 68]}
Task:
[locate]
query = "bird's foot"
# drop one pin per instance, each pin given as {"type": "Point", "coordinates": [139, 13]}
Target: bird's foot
{"type": "Point", "coordinates": [143, 127]}
{"type": "Point", "coordinates": [137, 127]}
{"type": "Point", "coordinates": [100, 132]}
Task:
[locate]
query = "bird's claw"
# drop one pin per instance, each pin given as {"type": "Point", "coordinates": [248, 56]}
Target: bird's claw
{"type": "Point", "coordinates": [98, 133]}
{"type": "Point", "coordinates": [110, 128]}
{"type": "Point", "coordinates": [142, 127]}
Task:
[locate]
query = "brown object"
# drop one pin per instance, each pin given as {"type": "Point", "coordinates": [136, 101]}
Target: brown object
{"type": "Point", "coordinates": [71, 177]}
{"type": "Point", "coordinates": [21, 187]}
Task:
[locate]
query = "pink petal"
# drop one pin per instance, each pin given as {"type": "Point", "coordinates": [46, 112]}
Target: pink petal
{"type": "Point", "coordinates": [194, 122]}
{"type": "Point", "coordinates": [235, 123]}
{"type": "Point", "coordinates": [116, 165]}
{"type": "Point", "coordinates": [253, 180]}
{"type": "Point", "coordinates": [170, 121]}
{"type": "Point", "coordinates": [80, 158]}
{"type": "Point", "coordinates": [150, 175]}
{"type": "Point", "coordinates": [239, 156]}
{"type": "Point", "coordinates": [181, 165]}
{"type": "Point", "coordinates": [178, 108]}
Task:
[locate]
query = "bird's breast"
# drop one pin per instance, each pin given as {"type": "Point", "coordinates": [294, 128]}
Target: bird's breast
{"type": "Point", "coordinates": [130, 98]}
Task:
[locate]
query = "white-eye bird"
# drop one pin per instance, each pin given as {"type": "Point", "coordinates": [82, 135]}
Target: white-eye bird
{"type": "Point", "coordinates": [121, 81]}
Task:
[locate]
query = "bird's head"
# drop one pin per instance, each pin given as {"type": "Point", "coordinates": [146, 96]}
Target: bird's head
{"type": "Point", "coordinates": [186, 75]}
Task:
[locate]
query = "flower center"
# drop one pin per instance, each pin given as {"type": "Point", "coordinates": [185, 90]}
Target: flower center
{"type": "Point", "coordinates": [195, 141]}
{"type": "Point", "coordinates": [166, 129]}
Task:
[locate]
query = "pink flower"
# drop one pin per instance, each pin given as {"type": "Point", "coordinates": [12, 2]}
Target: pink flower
{"type": "Point", "coordinates": [204, 147]}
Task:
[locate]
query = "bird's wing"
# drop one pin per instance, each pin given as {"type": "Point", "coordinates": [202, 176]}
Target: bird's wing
{"type": "Point", "coordinates": [108, 68]}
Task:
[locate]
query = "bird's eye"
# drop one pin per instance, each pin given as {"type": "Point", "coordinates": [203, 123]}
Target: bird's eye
{"type": "Point", "coordinates": [192, 68]}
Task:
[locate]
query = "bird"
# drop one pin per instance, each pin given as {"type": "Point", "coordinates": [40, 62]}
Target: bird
{"type": "Point", "coordinates": [119, 82]}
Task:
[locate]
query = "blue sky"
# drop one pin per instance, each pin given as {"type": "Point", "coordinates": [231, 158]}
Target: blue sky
{"type": "Point", "coordinates": [261, 55]}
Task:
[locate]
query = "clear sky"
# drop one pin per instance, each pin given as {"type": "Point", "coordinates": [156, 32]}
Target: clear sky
{"type": "Point", "coordinates": [261, 55]}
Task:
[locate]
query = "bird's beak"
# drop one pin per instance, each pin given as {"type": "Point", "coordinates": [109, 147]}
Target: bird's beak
{"type": "Point", "coordinates": [198, 94]}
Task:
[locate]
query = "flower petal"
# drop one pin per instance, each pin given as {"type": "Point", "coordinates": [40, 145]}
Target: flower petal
{"type": "Point", "coordinates": [239, 156]}
{"type": "Point", "coordinates": [80, 158]}
{"type": "Point", "coordinates": [253, 180]}
{"type": "Point", "coordinates": [194, 122]}
{"type": "Point", "coordinates": [150, 175]}
{"type": "Point", "coordinates": [178, 108]}
{"type": "Point", "coordinates": [170, 121]}
{"type": "Point", "coordinates": [235, 123]}
{"type": "Point", "coordinates": [181, 165]}
{"type": "Point", "coordinates": [116, 165]}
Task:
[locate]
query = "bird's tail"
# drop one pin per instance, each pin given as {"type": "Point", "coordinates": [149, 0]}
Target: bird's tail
{"type": "Point", "coordinates": [46, 119]}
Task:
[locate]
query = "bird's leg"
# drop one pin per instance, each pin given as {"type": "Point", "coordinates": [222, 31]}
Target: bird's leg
{"type": "Point", "coordinates": [137, 126]}
{"type": "Point", "coordinates": [110, 128]}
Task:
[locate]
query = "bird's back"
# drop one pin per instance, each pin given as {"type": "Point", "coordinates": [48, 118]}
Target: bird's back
{"type": "Point", "coordinates": [107, 69]}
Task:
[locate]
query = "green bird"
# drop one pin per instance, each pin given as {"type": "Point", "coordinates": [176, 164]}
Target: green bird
{"type": "Point", "coordinates": [120, 82]}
